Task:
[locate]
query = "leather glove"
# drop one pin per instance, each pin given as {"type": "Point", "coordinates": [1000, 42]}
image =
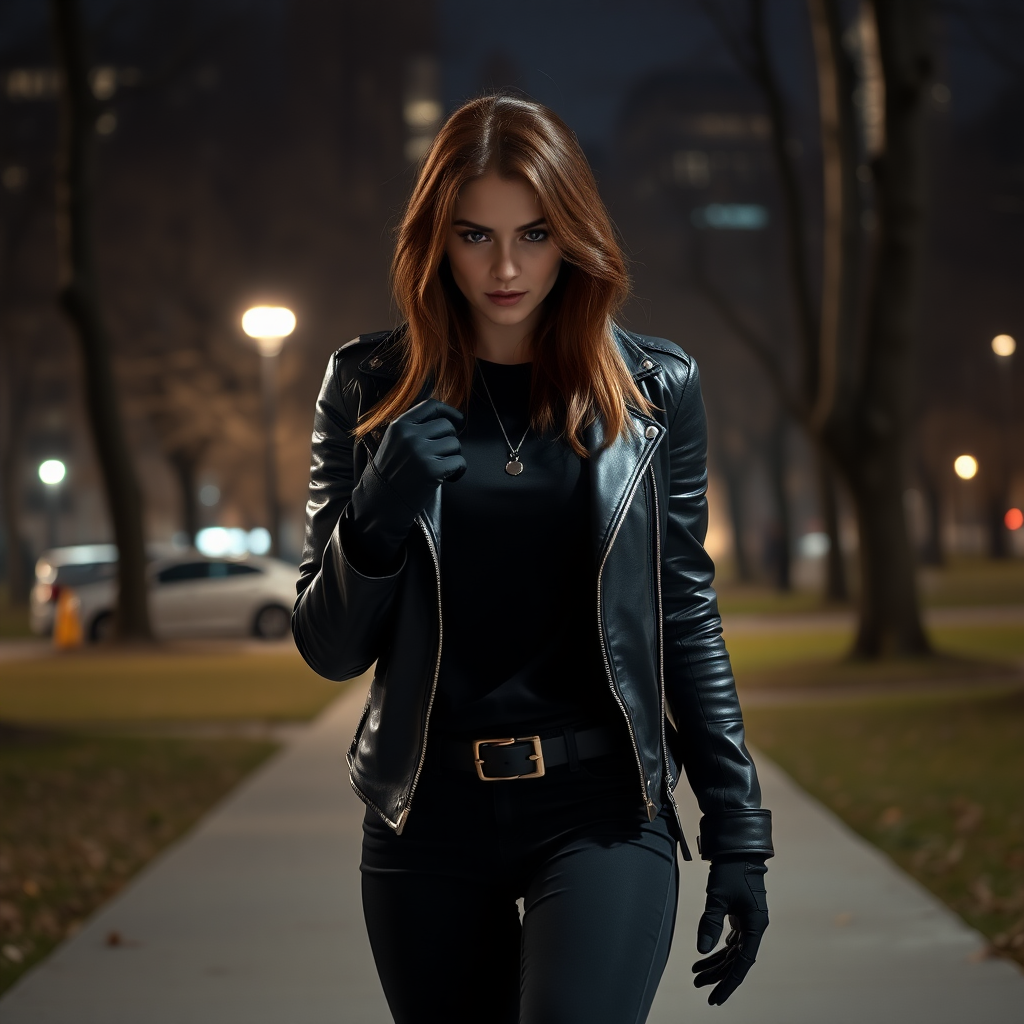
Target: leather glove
{"type": "Point", "coordinates": [736, 888]}
{"type": "Point", "coordinates": [419, 450]}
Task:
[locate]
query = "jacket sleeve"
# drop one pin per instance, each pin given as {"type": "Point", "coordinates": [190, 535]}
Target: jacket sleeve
{"type": "Point", "coordinates": [341, 616]}
{"type": "Point", "coordinates": [698, 675]}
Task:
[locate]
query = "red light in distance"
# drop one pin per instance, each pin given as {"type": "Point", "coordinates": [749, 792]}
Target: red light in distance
{"type": "Point", "coordinates": [1014, 519]}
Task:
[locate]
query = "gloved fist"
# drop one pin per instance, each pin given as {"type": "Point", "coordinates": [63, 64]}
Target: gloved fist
{"type": "Point", "coordinates": [736, 888]}
{"type": "Point", "coordinates": [419, 450]}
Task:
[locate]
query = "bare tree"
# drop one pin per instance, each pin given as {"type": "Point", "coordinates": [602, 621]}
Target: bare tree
{"type": "Point", "coordinates": [198, 404]}
{"type": "Point", "coordinates": [15, 400]}
{"type": "Point", "coordinates": [79, 298]}
{"type": "Point", "coordinates": [17, 359]}
{"type": "Point", "coordinates": [855, 355]}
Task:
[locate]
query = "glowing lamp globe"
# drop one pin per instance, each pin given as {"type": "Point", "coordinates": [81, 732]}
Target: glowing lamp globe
{"type": "Point", "coordinates": [1004, 345]}
{"type": "Point", "coordinates": [269, 326]}
{"type": "Point", "coordinates": [51, 472]}
{"type": "Point", "coordinates": [965, 467]}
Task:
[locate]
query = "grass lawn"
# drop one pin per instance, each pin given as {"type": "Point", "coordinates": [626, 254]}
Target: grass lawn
{"type": "Point", "coordinates": [13, 617]}
{"type": "Point", "coordinates": [935, 782]}
{"type": "Point", "coordinates": [82, 814]}
{"type": "Point", "coordinates": [113, 686]}
{"type": "Point", "coordinates": [83, 808]}
{"type": "Point", "coordinates": [962, 581]}
{"type": "Point", "coordinates": [815, 657]}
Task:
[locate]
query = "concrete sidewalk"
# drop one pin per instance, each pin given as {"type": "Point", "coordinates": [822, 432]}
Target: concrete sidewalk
{"type": "Point", "coordinates": [254, 918]}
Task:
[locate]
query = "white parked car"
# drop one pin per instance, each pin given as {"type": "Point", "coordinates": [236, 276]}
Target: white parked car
{"type": "Point", "coordinates": [190, 594]}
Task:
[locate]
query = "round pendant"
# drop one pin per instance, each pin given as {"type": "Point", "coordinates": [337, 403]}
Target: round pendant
{"type": "Point", "coordinates": [513, 467]}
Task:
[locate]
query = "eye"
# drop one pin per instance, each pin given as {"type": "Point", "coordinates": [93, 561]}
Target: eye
{"type": "Point", "coordinates": [536, 235]}
{"type": "Point", "coordinates": [472, 236]}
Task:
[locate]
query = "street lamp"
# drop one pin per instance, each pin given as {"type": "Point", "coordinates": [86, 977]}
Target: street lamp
{"type": "Point", "coordinates": [965, 467]}
{"type": "Point", "coordinates": [52, 472]}
{"type": "Point", "coordinates": [1004, 345]}
{"type": "Point", "coordinates": [269, 326]}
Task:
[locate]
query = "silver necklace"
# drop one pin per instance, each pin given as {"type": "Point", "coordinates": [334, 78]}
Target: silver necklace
{"type": "Point", "coordinates": [514, 466]}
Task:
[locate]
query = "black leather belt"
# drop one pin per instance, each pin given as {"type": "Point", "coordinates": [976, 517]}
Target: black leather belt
{"type": "Point", "coordinates": [527, 757]}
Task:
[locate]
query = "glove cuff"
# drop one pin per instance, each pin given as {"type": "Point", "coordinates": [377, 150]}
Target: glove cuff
{"type": "Point", "coordinates": [735, 833]}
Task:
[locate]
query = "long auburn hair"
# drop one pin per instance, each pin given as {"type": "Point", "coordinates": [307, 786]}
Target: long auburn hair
{"type": "Point", "coordinates": [578, 372]}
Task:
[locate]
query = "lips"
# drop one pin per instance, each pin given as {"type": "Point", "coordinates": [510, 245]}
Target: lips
{"type": "Point", "coordinates": [505, 298]}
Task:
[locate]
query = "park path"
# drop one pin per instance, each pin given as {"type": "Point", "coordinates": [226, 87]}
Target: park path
{"type": "Point", "coordinates": [254, 918]}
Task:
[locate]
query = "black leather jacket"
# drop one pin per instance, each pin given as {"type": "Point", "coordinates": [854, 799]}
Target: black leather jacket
{"type": "Point", "coordinates": [657, 614]}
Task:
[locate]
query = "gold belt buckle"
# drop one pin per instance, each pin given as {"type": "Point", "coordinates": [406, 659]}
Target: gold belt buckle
{"type": "Point", "coordinates": [537, 757]}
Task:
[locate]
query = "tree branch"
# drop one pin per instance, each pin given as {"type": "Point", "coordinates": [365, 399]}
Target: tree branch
{"type": "Point", "coordinates": [756, 345]}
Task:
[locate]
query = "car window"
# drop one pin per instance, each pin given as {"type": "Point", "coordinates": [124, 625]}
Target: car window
{"type": "Point", "coordinates": [76, 575]}
{"type": "Point", "coordinates": [242, 570]}
{"type": "Point", "coordinates": [184, 571]}
{"type": "Point", "coordinates": [222, 569]}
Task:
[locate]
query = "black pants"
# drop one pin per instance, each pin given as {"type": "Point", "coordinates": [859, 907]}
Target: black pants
{"type": "Point", "coordinates": [599, 884]}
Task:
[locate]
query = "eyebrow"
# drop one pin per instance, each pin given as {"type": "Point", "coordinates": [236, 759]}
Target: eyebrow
{"type": "Point", "coordinates": [480, 227]}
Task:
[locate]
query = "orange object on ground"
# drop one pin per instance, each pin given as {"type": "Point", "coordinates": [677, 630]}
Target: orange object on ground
{"type": "Point", "coordinates": [67, 621]}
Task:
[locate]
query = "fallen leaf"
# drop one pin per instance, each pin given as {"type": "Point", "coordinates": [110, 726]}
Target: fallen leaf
{"type": "Point", "coordinates": [12, 953]}
{"type": "Point", "coordinates": [10, 915]}
{"type": "Point", "coordinates": [954, 854]}
{"type": "Point", "coordinates": [891, 817]}
{"type": "Point", "coordinates": [981, 890]}
{"type": "Point", "coordinates": [968, 815]}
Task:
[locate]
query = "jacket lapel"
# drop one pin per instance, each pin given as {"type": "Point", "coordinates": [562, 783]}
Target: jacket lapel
{"type": "Point", "coordinates": [614, 472]}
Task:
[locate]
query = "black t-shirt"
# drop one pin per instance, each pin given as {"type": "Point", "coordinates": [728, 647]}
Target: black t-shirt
{"type": "Point", "coordinates": [518, 576]}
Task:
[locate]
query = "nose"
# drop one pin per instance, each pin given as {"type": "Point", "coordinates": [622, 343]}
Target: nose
{"type": "Point", "coordinates": [505, 268]}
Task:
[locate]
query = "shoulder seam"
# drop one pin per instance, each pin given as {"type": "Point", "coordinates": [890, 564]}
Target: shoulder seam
{"type": "Point", "coordinates": [662, 345]}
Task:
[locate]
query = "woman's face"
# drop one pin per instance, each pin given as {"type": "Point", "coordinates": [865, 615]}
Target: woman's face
{"type": "Point", "coordinates": [501, 253]}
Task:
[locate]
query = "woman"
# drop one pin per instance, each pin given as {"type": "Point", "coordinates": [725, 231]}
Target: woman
{"type": "Point", "coordinates": [507, 516]}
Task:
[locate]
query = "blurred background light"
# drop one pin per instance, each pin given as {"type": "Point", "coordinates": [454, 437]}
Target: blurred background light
{"type": "Point", "coordinates": [423, 113]}
{"type": "Point", "coordinates": [52, 471]}
{"type": "Point", "coordinates": [106, 123]}
{"type": "Point", "coordinates": [259, 540]}
{"type": "Point", "coordinates": [209, 495]}
{"type": "Point", "coordinates": [731, 216]}
{"type": "Point", "coordinates": [813, 545]}
{"type": "Point", "coordinates": [966, 467]}
{"type": "Point", "coordinates": [218, 541]}
{"type": "Point", "coordinates": [1014, 519]}
{"type": "Point", "coordinates": [1004, 345]}
{"type": "Point", "coordinates": [269, 325]}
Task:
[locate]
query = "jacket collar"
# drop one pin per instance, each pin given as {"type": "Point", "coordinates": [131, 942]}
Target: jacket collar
{"type": "Point", "coordinates": [614, 471]}
{"type": "Point", "coordinates": [384, 358]}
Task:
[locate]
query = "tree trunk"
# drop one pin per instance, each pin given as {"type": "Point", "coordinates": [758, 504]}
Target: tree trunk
{"type": "Point", "coordinates": [185, 465]}
{"type": "Point", "coordinates": [16, 397]}
{"type": "Point", "coordinates": [931, 550]}
{"type": "Point", "coordinates": [734, 491]}
{"type": "Point", "coordinates": [869, 440]}
{"type": "Point", "coordinates": [890, 621]}
{"type": "Point", "coordinates": [79, 300]}
{"type": "Point", "coordinates": [835, 569]}
{"type": "Point", "coordinates": [781, 554]}
{"type": "Point", "coordinates": [998, 535]}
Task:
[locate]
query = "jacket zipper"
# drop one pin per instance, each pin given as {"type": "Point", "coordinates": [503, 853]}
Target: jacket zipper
{"type": "Point", "coordinates": [669, 780]}
{"type": "Point", "coordinates": [648, 803]}
{"type": "Point", "coordinates": [404, 816]}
